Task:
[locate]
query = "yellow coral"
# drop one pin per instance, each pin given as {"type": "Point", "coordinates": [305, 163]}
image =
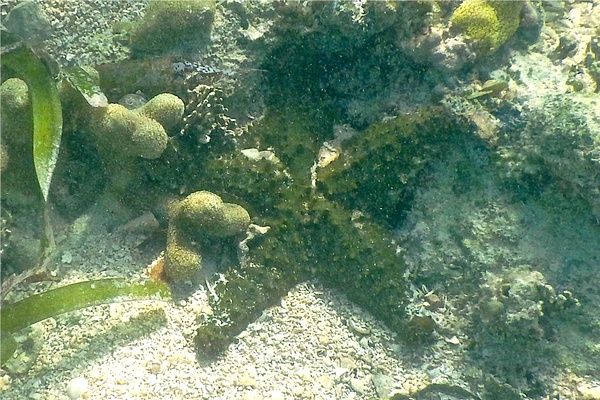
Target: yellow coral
{"type": "Point", "coordinates": [490, 23]}
{"type": "Point", "coordinates": [200, 215]}
{"type": "Point", "coordinates": [140, 132]}
{"type": "Point", "coordinates": [205, 213]}
{"type": "Point", "coordinates": [165, 108]}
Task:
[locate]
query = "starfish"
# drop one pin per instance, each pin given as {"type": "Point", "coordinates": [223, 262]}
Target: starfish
{"type": "Point", "coordinates": [334, 225]}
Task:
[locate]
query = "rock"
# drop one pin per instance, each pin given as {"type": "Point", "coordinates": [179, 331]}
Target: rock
{"type": "Point", "coordinates": [589, 392]}
{"type": "Point", "coordinates": [246, 381]}
{"type": "Point", "coordinates": [76, 387]}
{"type": "Point", "coordinates": [383, 385]}
{"type": "Point", "coordinates": [360, 386]}
{"type": "Point", "coordinates": [28, 21]}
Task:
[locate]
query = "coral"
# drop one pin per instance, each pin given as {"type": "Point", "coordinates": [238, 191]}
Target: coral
{"type": "Point", "coordinates": [17, 122]}
{"type": "Point", "coordinates": [207, 115]}
{"type": "Point", "coordinates": [18, 182]}
{"type": "Point", "coordinates": [199, 216]}
{"type": "Point", "coordinates": [168, 24]}
{"type": "Point", "coordinates": [489, 23]}
{"type": "Point", "coordinates": [516, 309]}
{"type": "Point", "coordinates": [140, 132]}
{"type": "Point", "coordinates": [125, 137]}
{"type": "Point", "coordinates": [128, 133]}
{"type": "Point", "coordinates": [165, 108]}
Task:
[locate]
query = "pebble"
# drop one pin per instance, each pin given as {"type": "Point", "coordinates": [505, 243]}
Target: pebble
{"type": "Point", "coordinates": [453, 340]}
{"type": "Point", "coordinates": [145, 223]}
{"type": "Point", "coordinates": [589, 392]}
{"type": "Point", "coordinates": [275, 395]}
{"type": "Point", "coordinates": [297, 390]}
{"type": "Point", "coordinates": [246, 381]}
{"type": "Point", "coordinates": [252, 395]}
{"type": "Point", "coordinates": [305, 374]}
{"type": "Point", "coordinates": [326, 381]}
{"type": "Point", "coordinates": [383, 385]}
{"type": "Point", "coordinates": [66, 258]}
{"type": "Point", "coordinates": [359, 327]}
{"type": "Point", "coordinates": [324, 340]}
{"type": "Point", "coordinates": [360, 385]}
{"type": "Point", "coordinates": [347, 363]}
{"type": "Point", "coordinates": [5, 382]}
{"type": "Point", "coordinates": [76, 387]}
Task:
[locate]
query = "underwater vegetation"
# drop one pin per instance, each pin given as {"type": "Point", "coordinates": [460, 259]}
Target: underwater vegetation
{"type": "Point", "coordinates": [45, 104]}
{"type": "Point", "coordinates": [395, 170]}
{"type": "Point", "coordinates": [52, 303]}
{"type": "Point", "coordinates": [46, 128]}
{"type": "Point", "coordinates": [37, 97]}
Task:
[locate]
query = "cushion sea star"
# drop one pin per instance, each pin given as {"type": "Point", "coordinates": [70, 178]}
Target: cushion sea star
{"type": "Point", "coordinates": [316, 231]}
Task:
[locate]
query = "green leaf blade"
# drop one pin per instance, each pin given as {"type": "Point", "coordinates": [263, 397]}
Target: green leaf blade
{"type": "Point", "coordinates": [46, 108]}
{"type": "Point", "coordinates": [77, 296]}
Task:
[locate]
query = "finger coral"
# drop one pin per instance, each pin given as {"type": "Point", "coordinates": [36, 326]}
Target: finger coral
{"type": "Point", "coordinates": [140, 132]}
{"type": "Point", "coordinates": [125, 136]}
{"type": "Point", "coordinates": [200, 215]}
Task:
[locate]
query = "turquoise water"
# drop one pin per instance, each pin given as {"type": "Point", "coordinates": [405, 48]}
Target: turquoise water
{"type": "Point", "coordinates": [196, 161]}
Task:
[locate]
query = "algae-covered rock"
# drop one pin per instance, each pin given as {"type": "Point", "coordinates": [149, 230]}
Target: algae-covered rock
{"type": "Point", "coordinates": [378, 174]}
{"type": "Point", "coordinates": [342, 222]}
{"type": "Point", "coordinates": [559, 143]}
{"type": "Point", "coordinates": [489, 23]}
{"type": "Point", "coordinates": [199, 216]}
{"type": "Point", "coordinates": [169, 24]}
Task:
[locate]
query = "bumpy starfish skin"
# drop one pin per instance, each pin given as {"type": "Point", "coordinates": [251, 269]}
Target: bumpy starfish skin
{"type": "Point", "coordinates": [338, 232]}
